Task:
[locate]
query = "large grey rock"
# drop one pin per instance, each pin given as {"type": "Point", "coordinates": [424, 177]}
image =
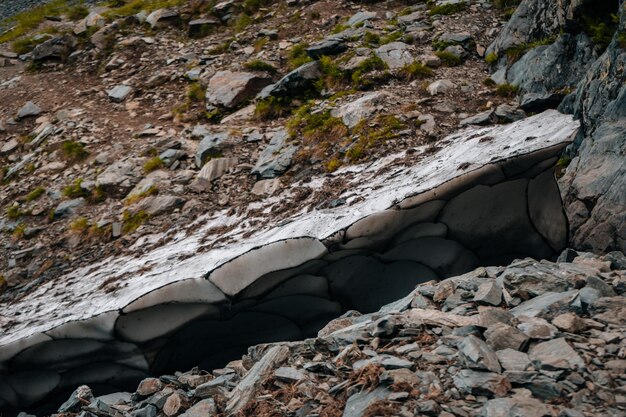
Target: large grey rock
{"type": "Point", "coordinates": [395, 54]}
{"type": "Point", "coordinates": [548, 68]}
{"type": "Point", "coordinates": [119, 177]}
{"type": "Point", "coordinates": [361, 17]}
{"type": "Point", "coordinates": [229, 89]}
{"type": "Point", "coordinates": [547, 305]}
{"type": "Point", "coordinates": [359, 402]}
{"type": "Point", "coordinates": [211, 171]}
{"type": "Point", "coordinates": [156, 205]}
{"type": "Point", "coordinates": [276, 157]}
{"type": "Point", "coordinates": [294, 83]}
{"type": "Point", "coordinates": [501, 336]}
{"type": "Point", "coordinates": [556, 354]}
{"type": "Point", "coordinates": [119, 93]}
{"type": "Point", "coordinates": [68, 207]}
{"type": "Point", "coordinates": [362, 108]}
{"type": "Point", "coordinates": [328, 47]}
{"type": "Point", "coordinates": [199, 28]}
{"type": "Point", "coordinates": [536, 19]}
{"type": "Point", "coordinates": [58, 48]}
{"type": "Point", "coordinates": [476, 354]}
{"type": "Point", "coordinates": [163, 17]}
{"type": "Point", "coordinates": [29, 109]}
{"type": "Point", "coordinates": [210, 147]}
{"type": "Point", "coordinates": [593, 187]}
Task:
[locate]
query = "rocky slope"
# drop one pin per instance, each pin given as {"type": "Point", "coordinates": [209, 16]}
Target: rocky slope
{"type": "Point", "coordinates": [158, 135]}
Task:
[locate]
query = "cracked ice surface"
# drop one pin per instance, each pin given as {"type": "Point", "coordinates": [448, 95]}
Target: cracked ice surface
{"type": "Point", "coordinates": [432, 204]}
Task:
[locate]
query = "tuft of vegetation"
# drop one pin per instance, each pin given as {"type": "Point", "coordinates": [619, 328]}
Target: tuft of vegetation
{"type": "Point", "coordinates": [130, 200]}
{"type": "Point", "coordinates": [621, 40]}
{"type": "Point", "coordinates": [384, 128]}
{"type": "Point", "coordinates": [507, 90]}
{"type": "Point", "coordinates": [195, 92]}
{"type": "Point", "coordinates": [73, 151]}
{"type": "Point", "coordinates": [297, 56]}
{"type": "Point", "coordinates": [332, 75]}
{"type": "Point", "coordinates": [505, 4]}
{"type": "Point", "coordinates": [132, 220]}
{"type": "Point", "coordinates": [35, 194]}
{"type": "Point", "coordinates": [339, 27]}
{"type": "Point", "coordinates": [272, 108]}
{"type": "Point", "coordinates": [75, 190]}
{"type": "Point", "coordinates": [360, 78]}
{"type": "Point", "coordinates": [491, 58]}
{"type": "Point", "coordinates": [252, 6]}
{"type": "Point", "coordinates": [371, 39]}
{"type": "Point", "coordinates": [448, 58]}
{"type": "Point", "coordinates": [14, 212]}
{"type": "Point", "coordinates": [600, 30]}
{"type": "Point", "coordinates": [79, 225]}
{"type": "Point", "coordinates": [318, 131]}
{"type": "Point", "coordinates": [514, 53]}
{"type": "Point", "coordinates": [27, 44]}
{"type": "Point", "coordinates": [447, 9]}
{"type": "Point", "coordinates": [28, 20]}
{"type": "Point", "coordinates": [19, 231]}
{"type": "Point", "coordinates": [221, 48]}
{"type": "Point", "coordinates": [242, 22]}
{"type": "Point", "coordinates": [414, 71]}
{"type": "Point", "coordinates": [262, 66]}
{"type": "Point", "coordinates": [77, 12]}
{"type": "Point", "coordinates": [152, 164]}
{"type": "Point", "coordinates": [122, 8]}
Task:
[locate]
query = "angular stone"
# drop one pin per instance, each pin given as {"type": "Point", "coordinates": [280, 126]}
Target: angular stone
{"type": "Point", "coordinates": [489, 293]}
{"type": "Point", "coordinates": [395, 54]}
{"type": "Point", "coordinates": [440, 87]}
{"type": "Point", "coordinates": [149, 386]}
{"type": "Point", "coordinates": [476, 354]}
{"type": "Point", "coordinates": [289, 375]}
{"type": "Point", "coordinates": [480, 119]}
{"type": "Point", "coordinates": [359, 402]}
{"type": "Point", "coordinates": [212, 170]}
{"type": "Point", "coordinates": [326, 47]}
{"type": "Point", "coordinates": [163, 17]}
{"type": "Point", "coordinates": [296, 82]}
{"type": "Point", "coordinates": [199, 28]}
{"type": "Point", "coordinates": [556, 354]}
{"type": "Point", "coordinates": [481, 383]}
{"type": "Point", "coordinates": [202, 408]}
{"type": "Point", "coordinates": [68, 207]}
{"type": "Point", "coordinates": [119, 93]}
{"type": "Point", "coordinates": [569, 322]}
{"type": "Point", "coordinates": [276, 157]}
{"type": "Point", "coordinates": [81, 396]}
{"type": "Point", "coordinates": [513, 360]}
{"type": "Point", "coordinates": [159, 204]}
{"type": "Point", "coordinates": [517, 406]}
{"type": "Point", "coordinates": [29, 109]}
{"type": "Point", "coordinates": [229, 89]}
{"type": "Point", "coordinates": [507, 114]}
{"type": "Point", "coordinates": [547, 305]}
{"type": "Point", "coordinates": [537, 328]}
{"type": "Point", "coordinates": [210, 147]}
{"type": "Point", "coordinates": [362, 108]}
{"type": "Point", "coordinates": [501, 336]}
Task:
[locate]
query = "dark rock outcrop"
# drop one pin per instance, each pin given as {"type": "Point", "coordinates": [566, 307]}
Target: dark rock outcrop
{"type": "Point", "coordinates": [594, 184]}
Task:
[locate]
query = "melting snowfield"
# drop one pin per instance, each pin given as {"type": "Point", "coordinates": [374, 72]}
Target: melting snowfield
{"type": "Point", "coordinates": [487, 197]}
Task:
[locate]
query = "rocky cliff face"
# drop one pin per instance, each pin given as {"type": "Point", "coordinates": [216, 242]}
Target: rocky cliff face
{"type": "Point", "coordinates": [594, 184]}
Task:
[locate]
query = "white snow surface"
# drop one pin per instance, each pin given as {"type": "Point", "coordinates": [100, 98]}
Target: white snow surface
{"type": "Point", "coordinates": [86, 292]}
